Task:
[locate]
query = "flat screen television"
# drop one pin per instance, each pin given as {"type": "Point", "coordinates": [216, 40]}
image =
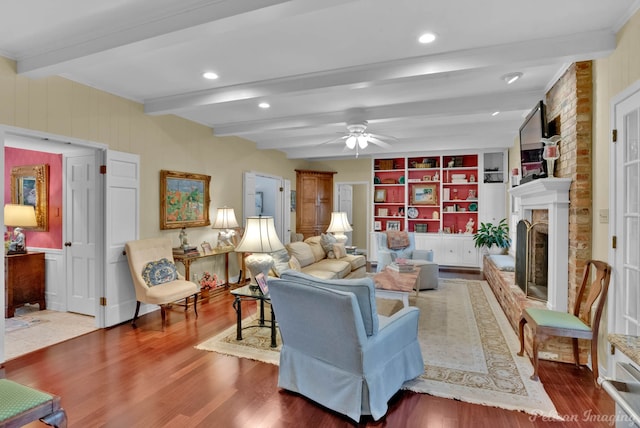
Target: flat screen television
{"type": "Point", "coordinates": [532, 131]}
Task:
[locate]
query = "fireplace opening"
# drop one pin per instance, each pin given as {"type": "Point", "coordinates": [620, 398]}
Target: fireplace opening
{"type": "Point", "coordinates": [532, 255]}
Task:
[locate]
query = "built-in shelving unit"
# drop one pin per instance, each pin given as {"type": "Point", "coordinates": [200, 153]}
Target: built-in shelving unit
{"type": "Point", "coordinates": [426, 194]}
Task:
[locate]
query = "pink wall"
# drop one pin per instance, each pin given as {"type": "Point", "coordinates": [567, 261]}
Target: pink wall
{"type": "Point", "coordinates": [18, 157]}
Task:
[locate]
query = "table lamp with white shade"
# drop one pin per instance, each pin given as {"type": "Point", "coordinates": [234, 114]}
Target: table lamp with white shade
{"type": "Point", "coordinates": [339, 224]}
{"type": "Point", "coordinates": [259, 239]}
{"type": "Point", "coordinates": [225, 221]}
{"type": "Point", "coordinates": [19, 216]}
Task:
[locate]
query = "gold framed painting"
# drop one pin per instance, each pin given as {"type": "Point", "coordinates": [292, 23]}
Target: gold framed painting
{"type": "Point", "coordinates": [184, 199]}
{"type": "Point", "coordinates": [30, 186]}
{"type": "Point", "coordinates": [424, 194]}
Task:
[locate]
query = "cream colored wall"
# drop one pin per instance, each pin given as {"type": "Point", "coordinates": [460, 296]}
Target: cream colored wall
{"type": "Point", "coordinates": [611, 76]}
{"type": "Point", "coordinates": [59, 106]}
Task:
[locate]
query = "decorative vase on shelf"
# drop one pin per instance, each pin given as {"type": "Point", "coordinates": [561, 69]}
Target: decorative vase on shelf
{"type": "Point", "coordinates": [550, 153]}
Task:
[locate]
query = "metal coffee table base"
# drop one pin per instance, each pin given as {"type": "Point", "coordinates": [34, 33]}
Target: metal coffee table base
{"type": "Point", "coordinates": [237, 305]}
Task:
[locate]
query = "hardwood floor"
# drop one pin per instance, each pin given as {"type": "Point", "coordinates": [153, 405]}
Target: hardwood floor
{"type": "Point", "coordinates": [146, 377]}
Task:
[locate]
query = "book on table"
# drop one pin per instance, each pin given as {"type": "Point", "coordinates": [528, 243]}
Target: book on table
{"type": "Point", "coordinates": [185, 250]}
{"type": "Point", "coordinates": [400, 267]}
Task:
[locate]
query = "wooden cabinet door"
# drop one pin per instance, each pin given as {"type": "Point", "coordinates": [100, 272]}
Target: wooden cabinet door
{"type": "Point", "coordinates": [315, 201]}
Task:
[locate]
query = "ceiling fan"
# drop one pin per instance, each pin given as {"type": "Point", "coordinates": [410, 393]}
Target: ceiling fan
{"type": "Point", "coordinates": [357, 138]}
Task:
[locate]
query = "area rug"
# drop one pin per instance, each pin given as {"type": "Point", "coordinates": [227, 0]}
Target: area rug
{"type": "Point", "coordinates": [31, 329]}
{"type": "Point", "coordinates": [468, 346]}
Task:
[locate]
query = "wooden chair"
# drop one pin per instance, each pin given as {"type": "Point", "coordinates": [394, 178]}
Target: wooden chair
{"type": "Point", "coordinates": [20, 405]}
{"type": "Point", "coordinates": [582, 324]}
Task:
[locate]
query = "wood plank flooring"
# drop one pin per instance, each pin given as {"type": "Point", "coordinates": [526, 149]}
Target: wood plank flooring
{"type": "Point", "coordinates": [146, 377]}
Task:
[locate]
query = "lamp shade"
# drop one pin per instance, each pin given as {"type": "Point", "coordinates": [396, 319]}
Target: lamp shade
{"type": "Point", "coordinates": [259, 236]}
{"type": "Point", "coordinates": [19, 215]}
{"type": "Point", "coordinates": [339, 223]}
{"type": "Point", "coordinates": [225, 219]}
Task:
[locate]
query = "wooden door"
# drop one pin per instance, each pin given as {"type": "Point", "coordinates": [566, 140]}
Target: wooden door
{"type": "Point", "coordinates": [314, 198]}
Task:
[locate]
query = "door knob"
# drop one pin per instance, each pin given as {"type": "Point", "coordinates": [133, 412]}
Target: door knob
{"type": "Point", "coordinates": [67, 244]}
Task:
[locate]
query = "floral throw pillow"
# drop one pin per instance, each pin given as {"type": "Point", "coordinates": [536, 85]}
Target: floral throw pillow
{"type": "Point", "coordinates": [159, 272]}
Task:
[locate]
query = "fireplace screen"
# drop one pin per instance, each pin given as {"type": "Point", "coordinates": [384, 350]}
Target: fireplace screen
{"type": "Point", "coordinates": [532, 252]}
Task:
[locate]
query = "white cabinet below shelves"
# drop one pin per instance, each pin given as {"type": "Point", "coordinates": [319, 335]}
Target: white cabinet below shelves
{"type": "Point", "coordinates": [450, 250]}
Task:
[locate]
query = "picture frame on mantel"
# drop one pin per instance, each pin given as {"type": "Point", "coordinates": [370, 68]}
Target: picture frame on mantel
{"type": "Point", "coordinates": [184, 199]}
{"type": "Point", "coordinates": [30, 186]}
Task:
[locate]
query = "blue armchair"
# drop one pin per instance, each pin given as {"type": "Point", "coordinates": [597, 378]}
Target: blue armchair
{"type": "Point", "coordinates": [337, 350]}
{"type": "Point", "coordinates": [387, 255]}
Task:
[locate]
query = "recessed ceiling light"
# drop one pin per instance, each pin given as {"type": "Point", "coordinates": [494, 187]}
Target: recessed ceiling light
{"type": "Point", "coordinates": [427, 38]}
{"type": "Point", "coordinates": [511, 77]}
{"type": "Point", "coordinates": [264, 105]}
{"type": "Point", "coordinates": [495, 113]}
{"type": "Point", "coordinates": [210, 75]}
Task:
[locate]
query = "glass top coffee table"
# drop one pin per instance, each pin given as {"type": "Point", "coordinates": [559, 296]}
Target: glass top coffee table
{"type": "Point", "coordinates": [249, 293]}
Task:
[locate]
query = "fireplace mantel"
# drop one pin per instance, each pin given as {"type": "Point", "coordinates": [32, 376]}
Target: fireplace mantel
{"type": "Point", "coordinates": [550, 194]}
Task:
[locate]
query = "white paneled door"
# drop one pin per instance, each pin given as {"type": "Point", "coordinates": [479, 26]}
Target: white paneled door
{"type": "Point", "coordinates": [81, 224]}
{"type": "Point", "coordinates": [626, 227]}
{"type": "Point", "coordinates": [122, 214]}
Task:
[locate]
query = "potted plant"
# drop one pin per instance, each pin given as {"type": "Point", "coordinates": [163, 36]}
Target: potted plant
{"type": "Point", "coordinates": [494, 237]}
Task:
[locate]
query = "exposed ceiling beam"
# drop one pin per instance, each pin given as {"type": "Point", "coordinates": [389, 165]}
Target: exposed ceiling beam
{"type": "Point", "coordinates": [60, 56]}
{"type": "Point", "coordinates": [567, 48]}
{"type": "Point", "coordinates": [506, 101]}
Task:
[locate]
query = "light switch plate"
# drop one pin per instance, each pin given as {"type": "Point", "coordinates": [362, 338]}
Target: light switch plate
{"type": "Point", "coordinates": [604, 216]}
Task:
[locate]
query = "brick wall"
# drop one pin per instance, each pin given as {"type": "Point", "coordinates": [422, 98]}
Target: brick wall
{"type": "Point", "coordinates": [569, 107]}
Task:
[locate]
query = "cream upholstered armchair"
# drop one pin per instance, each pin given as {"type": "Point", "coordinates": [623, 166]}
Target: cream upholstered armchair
{"type": "Point", "coordinates": [155, 278]}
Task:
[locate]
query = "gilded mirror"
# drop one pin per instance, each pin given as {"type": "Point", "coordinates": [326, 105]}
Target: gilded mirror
{"type": "Point", "coordinates": [30, 186]}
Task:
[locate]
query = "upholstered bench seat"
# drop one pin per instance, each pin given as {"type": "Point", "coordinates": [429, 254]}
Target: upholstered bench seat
{"type": "Point", "coordinates": [20, 405]}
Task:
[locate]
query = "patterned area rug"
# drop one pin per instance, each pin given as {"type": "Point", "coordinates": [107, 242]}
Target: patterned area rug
{"type": "Point", "coordinates": [31, 329]}
{"type": "Point", "coordinates": [468, 346]}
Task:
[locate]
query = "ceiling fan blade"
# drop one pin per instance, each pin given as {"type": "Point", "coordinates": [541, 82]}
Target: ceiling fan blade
{"type": "Point", "coordinates": [335, 140]}
{"type": "Point", "coordinates": [379, 142]}
{"type": "Point", "coordinates": [384, 137]}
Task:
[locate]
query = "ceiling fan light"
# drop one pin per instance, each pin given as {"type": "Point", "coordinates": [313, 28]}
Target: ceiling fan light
{"type": "Point", "coordinates": [351, 142]}
{"type": "Point", "coordinates": [362, 142]}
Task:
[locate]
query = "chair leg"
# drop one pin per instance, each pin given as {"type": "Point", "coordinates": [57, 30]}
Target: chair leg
{"type": "Point", "coordinates": [523, 321]}
{"type": "Point", "coordinates": [135, 315]}
{"type": "Point", "coordinates": [163, 315]}
{"type": "Point", "coordinates": [57, 419]}
{"type": "Point", "coordinates": [195, 304]}
{"type": "Point", "coordinates": [576, 351]}
{"type": "Point", "coordinates": [534, 351]}
{"type": "Point", "coordinates": [594, 361]}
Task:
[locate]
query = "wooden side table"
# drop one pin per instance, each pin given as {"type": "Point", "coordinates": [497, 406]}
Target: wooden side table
{"type": "Point", "coordinates": [187, 259]}
{"type": "Point", "coordinates": [24, 277]}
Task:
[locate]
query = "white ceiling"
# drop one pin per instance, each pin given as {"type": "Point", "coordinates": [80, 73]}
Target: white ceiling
{"type": "Point", "coordinates": [314, 61]}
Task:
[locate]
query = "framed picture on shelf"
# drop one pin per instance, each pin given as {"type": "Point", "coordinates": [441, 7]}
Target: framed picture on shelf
{"type": "Point", "coordinates": [184, 200]}
{"type": "Point", "coordinates": [424, 195]}
{"type": "Point", "coordinates": [206, 247]}
{"type": "Point", "coordinates": [383, 212]}
{"type": "Point", "coordinates": [377, 225]}
{"type": "Point", "coordinates": [380, 195]}
{"type": "Point", "coordinates": [262, 283]}
{"type": "Point", "coordinates": [393, 225]}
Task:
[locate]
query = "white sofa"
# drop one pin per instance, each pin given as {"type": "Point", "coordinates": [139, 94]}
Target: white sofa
{"type": "Point", "coordinates": [314, 261]}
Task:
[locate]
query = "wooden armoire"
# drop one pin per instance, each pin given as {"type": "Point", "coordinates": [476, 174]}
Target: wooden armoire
{"type": "Point", "coordinates": [314, 200]}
